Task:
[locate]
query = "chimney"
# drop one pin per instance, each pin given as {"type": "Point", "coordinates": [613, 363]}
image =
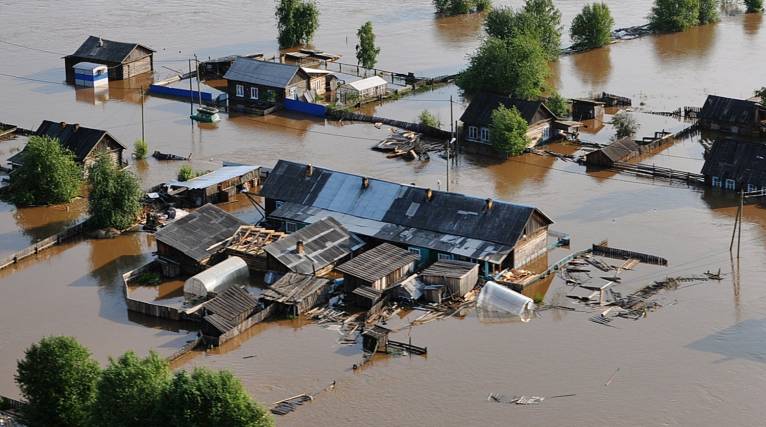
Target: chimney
{"type": "Point", "coordinates": [76, 127]}
{"type": "Point", "coordinates": [62, 124]}
{"type": "Point", "coordinates": [300, 249]}
{"type": "Point", "coordinates": [429, 194]}
{"type": "Point", "coordinates": [365, 182]}
{"type": "Point", "coordinates": [309, 170]}
{"type": "Point", "coordinates": [488, 204]}
{"type": "Point", "coordinates": [100, 42]}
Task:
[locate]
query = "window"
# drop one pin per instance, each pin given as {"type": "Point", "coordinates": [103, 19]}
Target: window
{"type": "Point", "coordinates": [546, 133]}
{"type": "Point", "coordinates": [716, 181]}
{"type": "Point", "coordinates": [253, 93]}
{"type": "Point", "coordinates": [473, 132]}
{"type": "Point", "coordinates": [484, 135]}
{"type": "Point", "coordinates": [447, 257]}
{"type": "Point", "coordinates": [278, 203]}
{"type": "Point", "coordinates": [751, 187]}
{"type": "Point", "coordinates": [240, 91]}
{"type": "Point", "coordinates": [291, 227]}
{"type": "Point", "coordinates": [415, 251]}
{"type": "Point", "coordinates": [730, 184]}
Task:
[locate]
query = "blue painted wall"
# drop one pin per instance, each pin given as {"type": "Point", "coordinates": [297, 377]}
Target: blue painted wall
{"type": "Point", "coordinates": [305, 108]}
{"type": "Point", "coordinates": [180, 93]}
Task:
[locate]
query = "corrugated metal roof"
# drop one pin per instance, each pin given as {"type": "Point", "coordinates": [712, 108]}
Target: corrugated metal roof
{"type": "Point", "coordinates": [325, 242]}
{"type": "Point", "coordinates": [399, 205]}
{"type": "Point", "coordinates": [742, 161]}
{"type": "Point", "coordinates": [293, 288]}
{"type": "Point", "coordinates": [197, 232]}
{"type": "Point", "coordinates": [620, 149]}
{"type": "Point", "coordinates": [368, 83]}
{"type": "Point", "coordinates": [97, 48]}
{"type": "Point", "coordinates": [729, 110]}
{"type": "Point", "coordinates": [262, 73]}
{"type": "Point", "coordinates": [479, 111]}
{"type": "Point", "coordinates": [378, 262]}
{"type": "Point", "coordinates": [449, 268]}
{"type": "Point", "coordinates": [213, 178]}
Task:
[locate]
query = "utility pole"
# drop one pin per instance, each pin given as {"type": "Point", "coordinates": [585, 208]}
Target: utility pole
{"type": "Point", "coordinates": [191, 91]}
{"type": "Point", "coordinates": [196, 68]}
{"type": "Point", "coordinates": [741, 211]}
{"type": "Point", "coordinates": [452, 137]}
{"type": "Point", "coordinates": [142, 115]}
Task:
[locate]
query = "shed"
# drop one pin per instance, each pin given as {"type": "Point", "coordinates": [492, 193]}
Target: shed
{"type": "Point", "coordinates": [218, 186]}
{"type": "Point", "coordinates": [85, 143]}
{"type": "Point", "coordinates": [587, 109]}
{"type": "Point", "coordinates": [375, 339]}
{"type": "Point", "coordinates": [738, 116]}
{"type": "Point", "coordinates": [736, 165]}
{"type": "Point", "coordinates": [226, 311]}
{"type": "Point", "coordinates": [458, 277]}
{"type": "Point", "coordinates": [249, 242]}
{"type": "Point", "coordinates": [263, 86]}
{"type": "Point", "coordinates": [216, 279]}
{"type": "Point", "coordinates": [371, 87]}
{"type": "Point", "coordinates": [125, 60]}
{"type": "Point", "coordinates": [196, 240]}
{"type": "Point", "coordinates": [296, 293]}
{"type": "Point", "coordinates": [89, 74]}
{"type": "Point", "coordinates": [379, 268]}
{"type": "Point", "coordinates": [619, 151]}
{"type": "Point", "coordinates": [365, 298]}
{"type": "Point", "coordinates": [314, 249]}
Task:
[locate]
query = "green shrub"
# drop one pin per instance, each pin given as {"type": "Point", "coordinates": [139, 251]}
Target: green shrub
{"type": "Point", "coordinates": [558, 105]}
{"type": "Point", "coordinates": [461, 7]}
{"type": "Point", "coordinates": [709, 11]}
{"type": "Point", "coordinates": [538, 19]}
{"type": "Point", "coordinates": [186, 173]}
{"type": "Point", "coordinates": [508, 131]}
{"type": "Point", "coordinates": [624, 124]}
{"type": "Point", "coordinates": [140, 149]}
{"type": "Point", "coordinates": [115, 195]}
{"type": "Point", "coordinates": [674, 15]}
{"type": "Point", "coordinates": [592, 28]}
{"type": "Point", "coordinates": [427, 118]}
{"type": "Point", "coordinates": [49, 174]}
{"type": "Point", "coordinates": [297, 21]}
{"type": "Point", "coordinates": [754, 5]}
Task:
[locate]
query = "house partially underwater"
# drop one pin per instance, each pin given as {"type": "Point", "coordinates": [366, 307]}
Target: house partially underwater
{"type": "Point", "coordinates": [736, 165]}
{"type": "Point", "coordinates": [736, 116]}
{"type": "Point", "coordinates": [433, 225]}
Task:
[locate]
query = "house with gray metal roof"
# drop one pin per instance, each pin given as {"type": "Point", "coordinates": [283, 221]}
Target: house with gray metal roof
{"type": "Point", "coordinates": [218, 186]}
{"type": "Point", "coordinates": [736, 165]}
{"type": "Point", "coordinates": [263, 86]}
{"type": "Point", "coordinates": [125, 60]}
{"type": "Point", "coordinates": [431, 224]}
{"type": "Point", "coordinates": [738, 116]}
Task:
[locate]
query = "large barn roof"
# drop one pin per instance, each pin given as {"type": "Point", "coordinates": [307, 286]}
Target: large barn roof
{"type": "Point", "coordinates": [742, 161]}
{"type": "Point", "coordinates": [78, 139]}
{"type": "Point", "coordinates": [195, 234]}
{"type": "Point", "coordinates": [729, 110]}
{"type": "Point", "coordinates": [479, 111]}
{"type": "Point", "coordinates": [262, 73]}
{"type": "Point", "coordinates": [96, 48]}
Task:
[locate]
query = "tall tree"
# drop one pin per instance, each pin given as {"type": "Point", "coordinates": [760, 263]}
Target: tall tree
{"type": "Point", "coordinates": [57, 378]}
{"type": "Point", "coordinates": [501, 23]}
{"type": "Point", "coordinates": [674, 15]}
{"type": "Point", "coordinates": [754, 5]}
{"type": "Point", "coordinates": [131, 391]}
{"type": "Point", "coordinates": [297, 21]}
{"type": "Point", "coordinates": [49, 174]}
{"type": "Point", "coordinates": [460, 7]}
{"type": "Point", "coordinates": [539, 19]}
{"type": "Point", "coordinates": [207, 398]}
{"type": "Point", "coordinates": [558, 105]}
{"type": "Point", "coordinates": [366, 51]}
{"type": "Point", "coordinates": [115, 195]}
{"type": "Point", "coordinates": [508, 131]}
{"type": "Point", "coordinates": [709, 11]}
{"type": "Point", "coordinates": [592, 28]}
{"type": "Point", "coordinates": [517, 67]}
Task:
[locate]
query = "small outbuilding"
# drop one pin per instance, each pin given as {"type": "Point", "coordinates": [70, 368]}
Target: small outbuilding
{"type": "Point", "coordinates": [232, 271]}
{"type": "Point", "coordinates": [458, 277]}
{"type": "Point", "coordinates": [218, 186]}
{"type": "Point", "coordinates": [124, 60]}
{"type": "Point", "coordinates": [197, 240]}
{"type": "Point", "coordinates": [736, 165]}
{"type": "Point", "coordinates": [619, 151]}
{"type": "Point", "coordinates": [89, 74]}
{"type": "Point", "coordinates": [375, 339]}
{"type": "Point", "coordinates": [379, 268]}
{"type": "Point", "coordinates": [587, 109]}
{"type": "Point", "coordinates": [296, 293]}
{"type": "Point", "coordinates": [737, 116]}
{"type": "Point", "coordinates": [371, 87]}
{"type": "Point", "coordinates": [228, 315]}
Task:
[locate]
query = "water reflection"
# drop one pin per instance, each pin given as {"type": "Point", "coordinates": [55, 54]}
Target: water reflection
{"type": "Point", "coordinates": [695, 42]}
{"type": "Point", "coordinates": [752, 24]}
{"type": "Point", "coordinates": [456, 30]}
{"type": "Point", "coordinates": [594, 67]}
{"type": "Point", "coordinates": [741, 341]}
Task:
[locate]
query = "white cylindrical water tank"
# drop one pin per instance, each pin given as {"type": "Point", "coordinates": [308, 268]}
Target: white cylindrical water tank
{"type": "Point", "coordinates": [218, 278]}
{"type": "Point", "coordinates": [497, 298]}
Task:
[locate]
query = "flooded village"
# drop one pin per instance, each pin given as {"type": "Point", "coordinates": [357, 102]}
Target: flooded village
{"type": "Point", "coordinates": [352, 263]}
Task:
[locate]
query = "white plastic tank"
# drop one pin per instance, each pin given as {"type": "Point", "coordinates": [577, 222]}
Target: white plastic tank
{"type": "Point", "coordinates": [498, 299]}
{"type": "Point", "coordinates": [218, 278]}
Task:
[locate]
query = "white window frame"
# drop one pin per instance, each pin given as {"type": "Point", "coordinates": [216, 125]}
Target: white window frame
{"type": "Point", "coordinates": [240, 91]}
{"type": "Point", "coordinates": [291, 227]}
{"type": "Point", "coordinates": [473, 133]}
{"type": "Point", "coordinates": [751, 188]}
{"type": "Point", "coordinates": [546, 133]}
{"type": "Point", "coordinates": [716, 181]}
{"type": "Point", "coordinates": [484, 134]}
{"type": "Point", "coordinates": [254, 93]}
{"type": "Point", "coordinates": [731, 184]}
{"type": "Point", "coordinates": [415, 251]}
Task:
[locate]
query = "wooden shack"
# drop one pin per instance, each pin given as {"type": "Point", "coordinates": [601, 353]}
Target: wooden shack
{"type": "Point", "coordinates": [215, 69]}
{"type": "Point", "coordinates": [458, 277]}
{"type": "Point", "coordinates": [125, 60]}
{"type": "Point", "coordinates": [737, 116]}
{"type": "Point", "coordinates": [375, 339]}
{"type": "Point", "coordinates": [619, 151]}
{"type": "Point", "coordinates": [587, 109]}
{"type": "Point", "coordinates": [228, 315]}
{"type": "Point", "coordinates": [249, 242]}
{"type": "Point", "coordinates": [197, 240]}
{"type": "Point", "coordinates": [365, 298]}
{"type": "Point", "coordinates": [295, 293]}
{"type": "Point", "coordinates": [218, 186]}
{"type": "Point", "coordinates": [379, 268]}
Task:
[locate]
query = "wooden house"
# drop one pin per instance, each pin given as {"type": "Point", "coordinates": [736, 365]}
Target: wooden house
{"type": "Point", "coordinates": [216, 68]}
{"type": "Point", "coordinates": [433, 225]}
{"type": "Point", "coordinates": [619, 151]}
{"type": "Point", "coordinates": [249, 242]}
{"type": "Point", "coordinates": [314, 249]}
{"type": "Point", "coordinates": [262, 86]}
{"type": "Point", "coordinates": [587, 109]}
{"type": "Point", "coordinates": [370, 88]}
{"type": "Point", "coordinates": [197, 240]}
{"type": "Point", "coordinates": [218, 186]}
{"type": "Point", "coordinates": [737, 116]}
{"type": "Point", "coordinates": [294, 293]}
{"type": "Point", "coordinates": [379, 268]}
{"type": "Point", "coordinates": [736, 165]}
{"type": "Point", "coordinates": [125, 60]}
{"type": "Point", "coordinates": [229, 314]}
{"type": "Point", "coordinates": [458, 277]}
{"type": "Point", "coordinates": [85, 143]}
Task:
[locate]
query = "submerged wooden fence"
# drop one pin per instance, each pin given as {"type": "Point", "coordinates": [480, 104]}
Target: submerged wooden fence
{"type": "Point", "coordinates": [414, 127]}
{"type": "Point", "coordinates": [615, 253]}
{"type": "Point", "coordinates": [660, 172]}
{"type": "Point", "coordinates": [44, 244]}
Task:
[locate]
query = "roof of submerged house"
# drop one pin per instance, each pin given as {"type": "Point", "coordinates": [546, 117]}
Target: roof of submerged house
{"type": "Point", "coordinates": [729, 110]}
{"type": "Point", "coordinates": [264, 73]}
{"type": "Point", "coordinates": [620, 149]}
{"type": "Point", "coordinates": [80, 140]}
{"type": "Point", "coordinates": [482, 105]}
{"type": "Point", "coordinates": [97, 48]}
{"type": "Point", "coordinates": [197, 234]}
{"type": "Point", "coordinates": [293, 288]}
{"type": "Point", "coordinates": [742, 161]}
{"type": "Point", "coordinates": [378, 262]}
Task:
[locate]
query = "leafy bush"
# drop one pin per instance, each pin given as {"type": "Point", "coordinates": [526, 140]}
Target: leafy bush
{"type": "Point", "coordinates": [754, 5]}
{"type": "Point", "coordinates": [115, 195]}
{"type": "Point", "coordinates": [592, 28]}
{"type": "Point", "coordinates": [558, 105]}
{"type": "Point", "coordinates": [297, 21]}
{"type": "Point", "coordinates": [539, 19]}
{"type": "Point", "coordinates": [674, 15]}
{"type": "Point", "coordinates": [186, 173]}
{"type": "Point", "coordinates": [624, 124]}
{"type": "Point", "coordinates": [140, 149]}
{"type": "Point", "coordinates": [427, 118]}
{"type": "Point", "coordinates": [49, 174]}
{"type": "Point", "coordinates": [508, 131]}
{"type": "Point", "coordinates": [708, 11]}
{"type": "Point", "coordinates": [460, 7]}
{"type": "Point", "coordinates": [366, 52]}
{"type": "Point", "coordinates": [148, 278]}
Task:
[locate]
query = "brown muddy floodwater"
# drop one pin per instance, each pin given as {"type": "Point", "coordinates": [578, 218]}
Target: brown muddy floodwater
{"type": "Point", "coordinates": [699, 360]}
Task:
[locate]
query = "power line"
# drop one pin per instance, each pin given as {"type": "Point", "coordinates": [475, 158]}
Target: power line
{"type": "Point", "coordinates": [32, 48]}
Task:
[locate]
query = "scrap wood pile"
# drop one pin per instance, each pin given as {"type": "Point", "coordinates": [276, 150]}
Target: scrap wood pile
{"type": "Point", "coordinates": [407, 145]}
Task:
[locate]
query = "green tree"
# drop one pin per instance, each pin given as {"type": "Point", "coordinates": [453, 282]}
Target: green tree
{"type": "Point", "coordinates": [624, 125]}
{"type": "Point", "coordinates": [558, 105]}
{"type": "Point", "coordinates": [539, 19]}
{"type": "Point", "coordinates": [429, 119]}
{"type": "Point", "coordinates": [754, 5]}
{"type": "Point", "coordinates": [460, 7]}
{"type": "Point", "coordinates": [140, 149]}
{"type": "Point", "coordinates": [57, 378]}
{"type": "Point", "coordinates": [708, 12]}
{"type": "Point", "coordinates": [674, 15]}
{"type": "Point", "coordinates": [297, 21]}
{"type": "Point", "coordinates": [517, 67]}
{"type": "Point", "coordinates": [592, 28]}
{"type": "Point", "coordinates": [366, 51]}
{"type": "Point", "coordinates": [131, 391]}
{"type": "Point", "coordinates": [501, 23]}
{"type": "Point", "coordinates": [49, 174]}
{"type": "Point", "coordinates": [115, 195]}
{"type": "Point", "coordinates": [761, 93]}
{"type": "Point", "coordinates": [508, 131]}
{"type": "Point", "coordinates": [207, 398]}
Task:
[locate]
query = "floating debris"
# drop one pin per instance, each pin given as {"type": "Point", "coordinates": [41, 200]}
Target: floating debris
{"type": "Point", "coordinates": [517, 400]}
{"type": "Point", "coordinates": [284, 407]}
